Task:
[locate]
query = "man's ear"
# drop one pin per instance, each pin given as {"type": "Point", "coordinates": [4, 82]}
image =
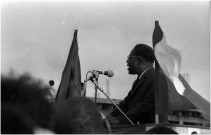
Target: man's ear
{"type": "Point", "coordinates": [107, 125]}
{"type": "Point", "coordinates": [140, 61]}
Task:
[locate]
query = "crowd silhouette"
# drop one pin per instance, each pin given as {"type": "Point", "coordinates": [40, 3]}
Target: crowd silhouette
{"type": "Point", "coordinates": [26, 109]}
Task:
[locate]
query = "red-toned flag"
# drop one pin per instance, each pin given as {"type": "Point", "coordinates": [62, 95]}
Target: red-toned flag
{"type": "Point", "coordinates": [70, 85]}
{"type": "Point", "coordinates": [169, 60]}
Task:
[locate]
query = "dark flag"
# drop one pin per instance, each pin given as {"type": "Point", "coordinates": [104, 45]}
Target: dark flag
{"type": "Point", "coordinates": [161, 86]}
{"type": "Point", "coordinates": [169, 60]}
{"type": "Point", "coordinates": [70, 85]}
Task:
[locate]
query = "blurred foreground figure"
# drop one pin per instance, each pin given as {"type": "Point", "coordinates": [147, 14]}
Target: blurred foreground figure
{"type": "Point", "coordinates": [25, 107]}
{"type": "Point", "coordinates": [79, 115]}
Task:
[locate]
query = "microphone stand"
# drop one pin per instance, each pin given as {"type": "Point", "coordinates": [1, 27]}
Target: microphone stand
{"type": "Point", "coordinates": [96, 90]}
{"type": "Point", "coordinates": [98, 87]}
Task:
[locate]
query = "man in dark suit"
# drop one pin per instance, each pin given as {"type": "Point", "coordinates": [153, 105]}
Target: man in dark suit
{"type": "Point", "coordinates": [139, 104]}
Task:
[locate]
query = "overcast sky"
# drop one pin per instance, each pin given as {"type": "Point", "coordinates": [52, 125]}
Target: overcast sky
{"type": "Point", "coordinates": [36, 37]}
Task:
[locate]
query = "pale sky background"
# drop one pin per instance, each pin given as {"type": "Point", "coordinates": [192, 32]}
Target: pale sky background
{"type": "Point", "coordinates": [36, 37]}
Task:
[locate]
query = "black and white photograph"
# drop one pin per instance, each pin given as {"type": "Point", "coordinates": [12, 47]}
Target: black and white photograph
{"type": "Point", "coordinates": [105, 67]}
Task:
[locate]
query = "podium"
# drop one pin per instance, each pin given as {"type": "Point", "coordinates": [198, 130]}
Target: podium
{"type": "Point", "coordinates": [128, 129]}
{"type": "Point", "coordinates": [142, 128]}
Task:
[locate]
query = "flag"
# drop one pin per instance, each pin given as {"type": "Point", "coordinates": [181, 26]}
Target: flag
{"type": "Point", "coordinates": [70, 85]}
{"type": "Point", "coordinates": [161, 86]}
{"type": "Point", "coordinates": [169, 60]}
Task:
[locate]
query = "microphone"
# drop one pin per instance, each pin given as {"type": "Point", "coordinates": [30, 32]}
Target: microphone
{"type": "Point", "coordinates": [95, 74]}
{"type": "Point", "coordinates": [108, 73]}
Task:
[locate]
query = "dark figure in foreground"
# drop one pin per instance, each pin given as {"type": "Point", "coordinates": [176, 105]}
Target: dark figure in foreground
{"type": "Point", "coordinates": [15, 121]}
{"type": "Point", "coordinates": [161, 130]}
{"type": "Point", "coordinates": [139, 104]}
{"type": "Point", "coordinates": [79, 115]}
{"type": "Point", "coordinates": [25, 107]}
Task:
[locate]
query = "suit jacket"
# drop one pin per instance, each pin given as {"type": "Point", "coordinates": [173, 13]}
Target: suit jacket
{"type": "Point", "coordinates": [139, 104]}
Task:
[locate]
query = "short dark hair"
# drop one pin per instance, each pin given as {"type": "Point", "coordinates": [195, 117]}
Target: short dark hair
{"type": "Point", "coordinates": [144, 51]}
{"type": "Point", "coordinates": [78, 115]}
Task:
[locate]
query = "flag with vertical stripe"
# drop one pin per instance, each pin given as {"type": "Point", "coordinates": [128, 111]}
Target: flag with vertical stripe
{"type": "Point", "coordinates": [169, 60]}
{"type": "Point", "coordinates": [161, 86]}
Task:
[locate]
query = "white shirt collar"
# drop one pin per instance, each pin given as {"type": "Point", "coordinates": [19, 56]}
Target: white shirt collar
{"type": "Point", "coordinates": [143, 73]}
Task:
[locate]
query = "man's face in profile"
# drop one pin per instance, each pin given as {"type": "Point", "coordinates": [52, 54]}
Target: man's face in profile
{"type": "Point", "coordinates": [132, 63]}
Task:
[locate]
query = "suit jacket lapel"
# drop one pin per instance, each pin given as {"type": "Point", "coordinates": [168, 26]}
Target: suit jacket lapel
{"type": "Point", "coordinates": [140, 81]}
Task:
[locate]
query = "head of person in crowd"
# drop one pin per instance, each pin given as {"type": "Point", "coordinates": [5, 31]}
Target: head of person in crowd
{"type": "Point", "coordinates": [15, 121]}
{"type": "Point", "coordinates": [140, 58]}
{"type": "Point", "coordinates": [194, 132]}
{"type": "Point", "coordinates": [79, 115]}
{"type": "Point", "coordinates": [27, 96]}
{"type": "Point", "coordinates": [161, 130]}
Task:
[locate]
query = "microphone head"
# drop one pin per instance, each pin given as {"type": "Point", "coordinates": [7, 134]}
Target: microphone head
{"type": "Point", "coordinates": [109, 73]}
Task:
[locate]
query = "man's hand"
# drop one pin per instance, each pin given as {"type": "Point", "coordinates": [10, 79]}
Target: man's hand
{"type": "Point", "coordinates": [112, 120]}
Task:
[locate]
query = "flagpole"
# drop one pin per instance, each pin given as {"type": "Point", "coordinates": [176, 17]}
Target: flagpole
{"type": "Point", "coordinates": [156, 88]}
{"type": "Point", "coordinates": [161, 86]}
{"type": "Point", "coordinates": [96, 79]}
